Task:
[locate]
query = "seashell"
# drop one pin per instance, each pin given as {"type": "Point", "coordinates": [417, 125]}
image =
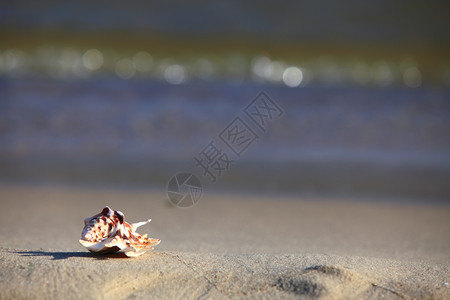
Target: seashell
{"type": "Point", "coordinates": [107, 232]}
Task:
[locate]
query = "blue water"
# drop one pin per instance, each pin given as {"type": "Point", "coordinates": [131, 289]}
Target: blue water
{"type": "Point", "coordinates": [144, 117]}
{"type": "Point", "coordinates": [114, 125]}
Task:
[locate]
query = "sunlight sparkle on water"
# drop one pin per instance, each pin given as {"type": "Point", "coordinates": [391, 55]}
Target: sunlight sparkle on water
{"type": "Point", "coordinates": [175, 74]}
{"type": "Point", "coordinates": [125, 68]}
{"type": "Point", "coordinates": [292, 76]}
{"type": "Point", "coordinates": [93, 59]}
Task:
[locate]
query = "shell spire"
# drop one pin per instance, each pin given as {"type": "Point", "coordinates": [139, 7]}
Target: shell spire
{"type": "Point", "coordinates": [107, 232]}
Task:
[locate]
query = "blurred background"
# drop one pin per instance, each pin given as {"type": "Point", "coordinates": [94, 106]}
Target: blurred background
{"type": "Point", "coordinates": [127, 93]}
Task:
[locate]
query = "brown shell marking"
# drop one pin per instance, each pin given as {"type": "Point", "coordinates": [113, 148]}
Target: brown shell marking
{"type": "Point", "coordinates": [107, 232]}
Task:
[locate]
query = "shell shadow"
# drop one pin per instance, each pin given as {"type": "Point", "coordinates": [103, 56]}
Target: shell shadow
{"type": "Point", "coordinates": [65, 255]}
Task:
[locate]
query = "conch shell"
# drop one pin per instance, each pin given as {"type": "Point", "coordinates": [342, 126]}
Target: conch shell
{"type": "Point", "coordinates": [107, 232]}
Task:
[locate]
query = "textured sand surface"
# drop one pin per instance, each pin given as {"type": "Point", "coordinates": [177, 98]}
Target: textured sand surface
{"type": "Point", "coordinates": [227, 246]}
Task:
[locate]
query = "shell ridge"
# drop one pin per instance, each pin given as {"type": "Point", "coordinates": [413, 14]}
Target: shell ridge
{"type": "Point", "coordinates": [108, 232]}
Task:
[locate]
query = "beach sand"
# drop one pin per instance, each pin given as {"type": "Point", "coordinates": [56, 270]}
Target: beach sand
{"type": "Point", "coordinates": [226, 246]}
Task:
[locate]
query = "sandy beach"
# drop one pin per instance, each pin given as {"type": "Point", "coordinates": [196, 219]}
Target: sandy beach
{"type": "Point", "coordinates": [227, 246]}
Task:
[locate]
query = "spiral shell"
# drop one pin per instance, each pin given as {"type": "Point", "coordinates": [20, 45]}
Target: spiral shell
{"type": "Point", "coordinates": [107, 232]}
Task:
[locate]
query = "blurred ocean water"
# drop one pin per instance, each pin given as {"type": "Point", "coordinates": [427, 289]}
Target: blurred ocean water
{"type": "Point", "coordinates": [346, 42]}
{"type": "Point", "coordinates": [128, 93]}
{"type": "Point", "coordinates": [330, 139]}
